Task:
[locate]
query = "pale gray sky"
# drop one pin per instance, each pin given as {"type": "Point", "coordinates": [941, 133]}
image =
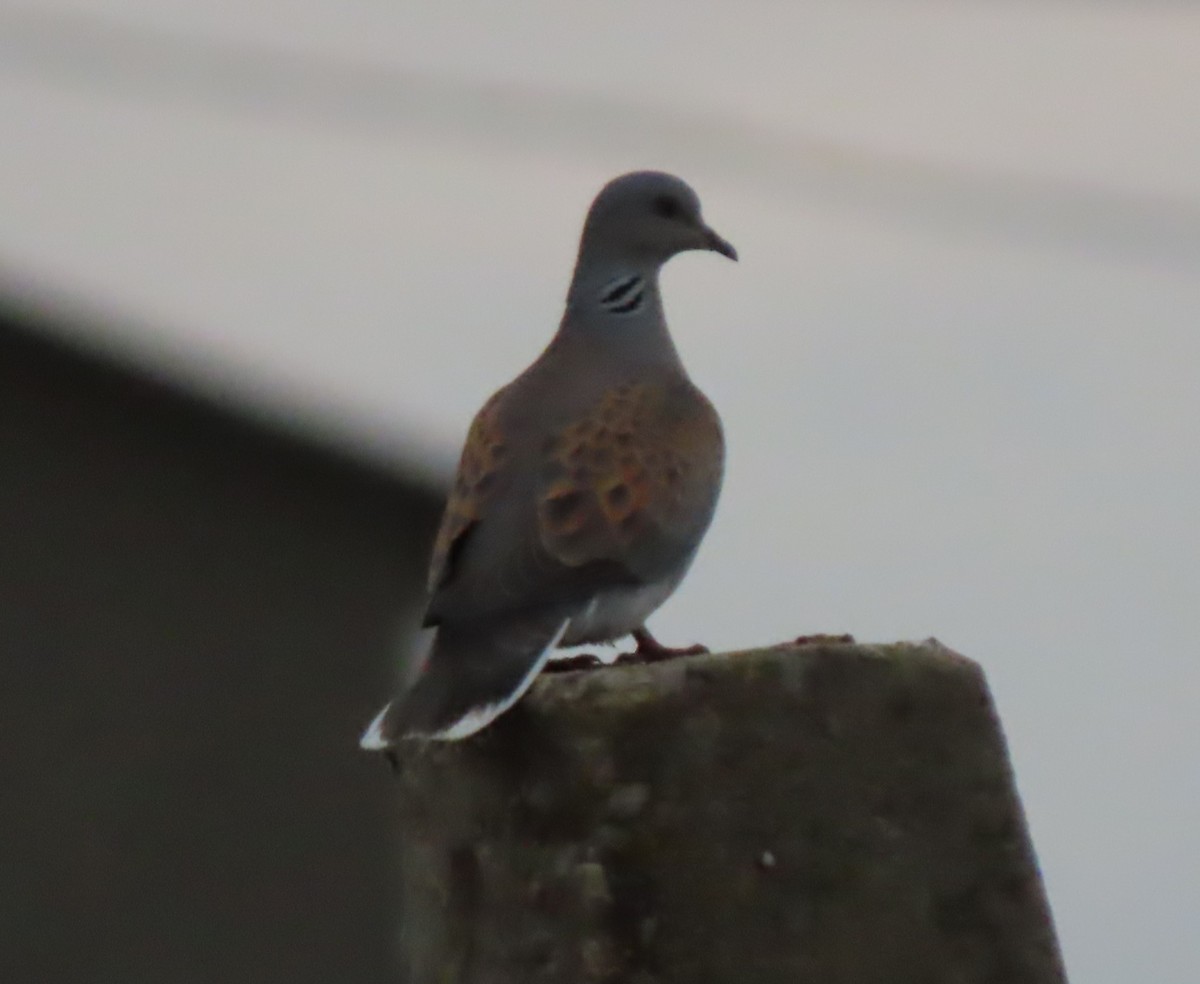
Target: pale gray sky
{"type": "Point", "coordinates": [957, 363]}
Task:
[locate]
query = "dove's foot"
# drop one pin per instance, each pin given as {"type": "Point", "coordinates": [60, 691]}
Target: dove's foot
{"type": "Point", "coordinates": [819, 638]}
{"type": "Point", "coordinates": [584, 661]}
{"type": "Point", "coordinates": [650, 650]}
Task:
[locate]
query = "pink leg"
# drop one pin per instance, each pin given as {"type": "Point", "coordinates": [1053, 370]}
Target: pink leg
{"type": "Point", "coordinates": [650, 650]}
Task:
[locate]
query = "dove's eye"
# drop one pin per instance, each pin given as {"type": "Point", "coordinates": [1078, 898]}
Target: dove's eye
{"type": "Point", "coordinates": [667, 207]}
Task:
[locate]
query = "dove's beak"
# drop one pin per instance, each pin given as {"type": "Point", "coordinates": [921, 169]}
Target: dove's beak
{"type": "Point", "coordinates": [718, 245]}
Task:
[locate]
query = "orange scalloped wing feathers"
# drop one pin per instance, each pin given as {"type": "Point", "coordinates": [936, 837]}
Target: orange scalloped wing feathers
{"type": "Point", "coordinates": [636, 475]}
{"type": "Point", "coordinates": [482, 455]}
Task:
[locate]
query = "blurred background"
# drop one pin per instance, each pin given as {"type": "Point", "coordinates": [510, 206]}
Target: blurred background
{"type": "Point", "coordinates": [261, 262]}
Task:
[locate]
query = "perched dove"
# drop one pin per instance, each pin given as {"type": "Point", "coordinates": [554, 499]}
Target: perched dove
{"type": "Point", "coordinates": [585, 485]}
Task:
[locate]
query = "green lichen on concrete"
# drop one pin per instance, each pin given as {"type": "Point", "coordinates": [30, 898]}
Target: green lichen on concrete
{"type": "Point", "coordinates": [830, 812]}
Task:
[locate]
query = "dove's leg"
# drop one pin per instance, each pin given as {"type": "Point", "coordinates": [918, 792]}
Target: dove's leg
{"type": "Point", "coordinates": [650, 650]}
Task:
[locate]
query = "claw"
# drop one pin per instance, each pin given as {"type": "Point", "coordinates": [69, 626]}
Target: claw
{"type": "Point", "coordinates": [583, 661]}
{"type": "Point", "coordinates": [650, 650]}
{"type": "Point", "coordinates": [820, 638]}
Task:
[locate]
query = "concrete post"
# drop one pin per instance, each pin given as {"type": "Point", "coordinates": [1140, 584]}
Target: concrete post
{"type": "Point", "coordinates": [819, 813]}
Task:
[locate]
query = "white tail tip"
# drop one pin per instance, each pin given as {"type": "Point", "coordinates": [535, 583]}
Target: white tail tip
{"type": "Point", "coordinates": [373, 739]}
{"type": "Point", "coordinates": [481, 716]}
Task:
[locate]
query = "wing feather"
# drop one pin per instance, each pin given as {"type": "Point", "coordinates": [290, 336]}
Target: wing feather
{"type": "Point", "coordinates": [633, 480]}
{"type": "Point", "coordinates": [483, 454]}
{"type": "Point", "coordinates": [623, 494]}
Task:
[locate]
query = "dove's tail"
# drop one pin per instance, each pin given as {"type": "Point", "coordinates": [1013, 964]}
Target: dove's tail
{"type": "Point", "coordinates": [472, 675]}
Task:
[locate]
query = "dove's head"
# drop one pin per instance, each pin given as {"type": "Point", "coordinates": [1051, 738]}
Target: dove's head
{"type": "Point", "coordinates": [644, 218]}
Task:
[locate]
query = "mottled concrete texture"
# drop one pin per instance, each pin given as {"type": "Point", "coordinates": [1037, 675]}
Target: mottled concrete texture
{"type": "Point", "coordinates": [821, 813]}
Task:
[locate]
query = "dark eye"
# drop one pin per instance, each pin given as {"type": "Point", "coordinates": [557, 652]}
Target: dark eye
{"type": "Point", "coordinates": [667, 207]}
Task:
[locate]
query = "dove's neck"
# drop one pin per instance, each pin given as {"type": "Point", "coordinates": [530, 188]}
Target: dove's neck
{"type": "Point", "coordinates": [602, 286]}
{"type": "Point", "coordinates": [620, 303]}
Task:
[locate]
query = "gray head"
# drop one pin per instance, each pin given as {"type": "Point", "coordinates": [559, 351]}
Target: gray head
{"type": "Point", "coordinates": [640, 220]}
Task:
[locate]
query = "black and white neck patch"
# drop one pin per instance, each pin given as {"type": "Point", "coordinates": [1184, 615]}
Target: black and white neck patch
{"type": "Point", "coordinates": [625, 295]}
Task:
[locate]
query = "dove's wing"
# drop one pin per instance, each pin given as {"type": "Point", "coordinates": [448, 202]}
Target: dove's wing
{"type": "Point", "coordinates": [634, 480]}
{"type": "Point", "coordinates": [620, 496]}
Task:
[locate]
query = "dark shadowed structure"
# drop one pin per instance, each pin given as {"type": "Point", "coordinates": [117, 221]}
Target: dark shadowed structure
{"type": "Point", "coordinates": [197, 616]}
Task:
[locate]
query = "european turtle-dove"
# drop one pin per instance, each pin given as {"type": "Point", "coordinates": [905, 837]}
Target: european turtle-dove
{"type": "Point", "coordinates": [585, 485]}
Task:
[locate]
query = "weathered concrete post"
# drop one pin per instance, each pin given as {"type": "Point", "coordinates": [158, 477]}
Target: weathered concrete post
{"type": "Point", "coordinates": [796, 815]}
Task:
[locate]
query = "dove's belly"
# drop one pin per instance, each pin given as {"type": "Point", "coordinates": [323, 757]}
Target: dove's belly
{"type": "Point", "coordinates": [617, 613]}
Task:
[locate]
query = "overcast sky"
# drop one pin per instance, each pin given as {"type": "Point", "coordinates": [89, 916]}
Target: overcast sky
{"type": "Point", "coordinates": [957, 363]}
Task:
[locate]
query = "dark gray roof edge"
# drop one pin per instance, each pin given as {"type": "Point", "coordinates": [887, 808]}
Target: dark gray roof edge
{"type": "Point", "coordinates": [35, 327]}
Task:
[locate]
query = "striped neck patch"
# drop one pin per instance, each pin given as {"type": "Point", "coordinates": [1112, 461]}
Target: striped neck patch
{"type": "Point", "coordinates": [625, 295]}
